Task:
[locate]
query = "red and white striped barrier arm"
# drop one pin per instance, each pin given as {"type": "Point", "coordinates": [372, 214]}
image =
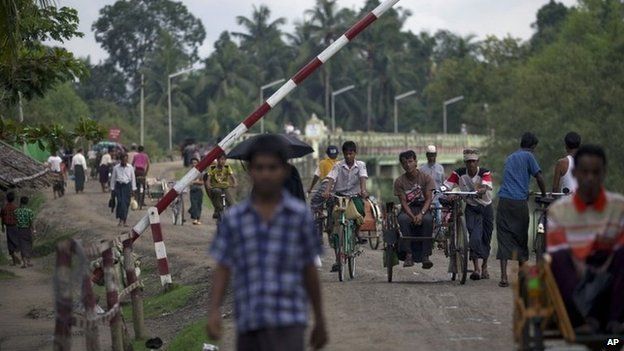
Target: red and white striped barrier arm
{"type": "Point", "coordinates": [261, 111]}
{"type": "Point", "coordinates": [159, 246]}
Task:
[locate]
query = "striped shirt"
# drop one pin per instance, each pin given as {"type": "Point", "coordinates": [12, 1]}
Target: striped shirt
{"type": "Point", "coordinates": [584, 229]}
{"type": "Point", "coordinates": [460, 178]}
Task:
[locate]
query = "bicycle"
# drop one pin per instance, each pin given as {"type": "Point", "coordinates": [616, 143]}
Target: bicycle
{"type": "Point", "coordinates": [141, 191]}
{"type": "Point", "coordinates": [345, 242]}
{"type": "Point", "coordinates": [457, 238]}
{"type": "Point", "coordinates": [540, 225]}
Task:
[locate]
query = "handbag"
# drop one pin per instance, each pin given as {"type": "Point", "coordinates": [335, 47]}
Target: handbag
{"type": "Point", "coordinates": [134, 205]}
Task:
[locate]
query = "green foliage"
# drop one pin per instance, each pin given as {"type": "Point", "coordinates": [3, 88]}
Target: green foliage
{"type": "Point", "coordinates": [28, 67]}
{"type": "Point", "coordinates": [575, 83]}
{"type": "Point", "coordinates": [192, 337]}
{"type": "Point", "coordinates": [131, 42]}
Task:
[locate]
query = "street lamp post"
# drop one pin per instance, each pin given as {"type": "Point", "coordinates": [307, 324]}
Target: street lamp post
{"type": "Point", "coordinates": [142, 109]}
{"type": "Point", "coordinates": [446, 103]}
{"type": "Point", "coordinates": [262, 88]}
{"type": "Point", "coordinates": [333, 103]}
{"type": "Point", "coordinates": [396, 108]}
{"type": "Point", "coordinates": [173, 75]}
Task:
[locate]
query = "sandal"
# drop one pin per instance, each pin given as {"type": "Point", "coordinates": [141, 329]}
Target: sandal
{"type": "Point", "coordinates": [475, 276]}
{"type": "Point", "coordinates": [503, 284]}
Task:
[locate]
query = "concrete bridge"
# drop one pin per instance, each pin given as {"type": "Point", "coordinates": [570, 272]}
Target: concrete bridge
{"type": "Point", "coordinates": [381, 151]}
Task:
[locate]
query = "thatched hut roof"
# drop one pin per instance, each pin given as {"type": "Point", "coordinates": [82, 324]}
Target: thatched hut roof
{"type": "Point", "coordinates": [18, 170]}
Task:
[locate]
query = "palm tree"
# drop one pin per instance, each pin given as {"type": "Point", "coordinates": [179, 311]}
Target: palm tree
{"type": "Point", "coordinates": [327, 21]}
{"type": "Point", "coordinates": [263, 42]}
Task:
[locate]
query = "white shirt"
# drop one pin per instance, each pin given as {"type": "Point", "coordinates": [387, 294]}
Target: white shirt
{"type": "Point", "coordinates": [123, 175]}
{"type": "Point", "coordinates": [347, 180]}
{"type": "Point", "coordinates": [106, 159]}
{"type": "Point", "coordinates": [79, 159]}
{"type": "Point", "coordinates": [567, 180]}
{"type": "Point", "coordinates": [55, 163]}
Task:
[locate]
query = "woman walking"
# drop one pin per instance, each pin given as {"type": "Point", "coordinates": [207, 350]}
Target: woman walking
{"type": "Point", "coordinates": [104, 169]}
{"type": "Point", "coordinates": [196, 195]}
{"type": "Point", "coordinates": [25, 217]}
{"type": "Point", "coordinates": [122, 184]}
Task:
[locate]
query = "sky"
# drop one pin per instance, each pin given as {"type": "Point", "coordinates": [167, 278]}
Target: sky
{"type": "Point", "coordinates": [478, 17]}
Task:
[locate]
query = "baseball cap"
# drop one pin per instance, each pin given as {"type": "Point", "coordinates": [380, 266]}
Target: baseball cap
{"type": "Point", "coordinates": [431, 149]}
{"type": "Point", "coordinates": [332, 150]}
{"type": "Point", "coordinates": [471, 155]}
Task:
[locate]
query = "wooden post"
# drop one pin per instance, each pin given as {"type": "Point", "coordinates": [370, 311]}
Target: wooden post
{"type": "Point", "coordinates": [112, 297]}
{"type": "Point", "coordinates": [63, 296]}
{"type": "Point", "coordinates": [92, 335]}
{"type": "Point", "coordinates": [138, 321]}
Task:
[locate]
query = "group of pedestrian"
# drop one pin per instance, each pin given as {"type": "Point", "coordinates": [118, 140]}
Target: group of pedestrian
{"type": "Point", "coordinates": [17, 223]}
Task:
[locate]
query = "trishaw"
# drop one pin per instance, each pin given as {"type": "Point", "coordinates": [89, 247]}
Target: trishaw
{"type": "Point", "coordinates": [540, 314]}
{"type": "Point", "coordinates": [454, 241]}
{"type": "Point", "coordinates": [540, 221]}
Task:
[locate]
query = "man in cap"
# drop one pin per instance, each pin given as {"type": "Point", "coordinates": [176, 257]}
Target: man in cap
{"type": "Point", "coordinates": [325, 166]}
{"type": "Point", "coordinates": [435, 171]}
{"type": "Point", "coordinates": [478, 213]}
{"type": "Point", "coordinates": [432, 168]}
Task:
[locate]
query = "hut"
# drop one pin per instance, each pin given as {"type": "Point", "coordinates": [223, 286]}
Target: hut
{"type": "Point", "coordinates": [18, 170]}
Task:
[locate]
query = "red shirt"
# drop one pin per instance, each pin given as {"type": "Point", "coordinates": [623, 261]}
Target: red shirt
{"type": "Point", "coordinates": [8, 214]}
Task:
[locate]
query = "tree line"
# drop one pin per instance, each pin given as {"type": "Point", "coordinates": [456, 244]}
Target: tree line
{"type": "Point", "coordinates": [567, 76]}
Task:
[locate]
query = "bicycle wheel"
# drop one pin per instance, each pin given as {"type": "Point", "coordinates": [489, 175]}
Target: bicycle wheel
{"type": "Point", "coordinates": [462, 249]}
{"type": "Point", "coordinates": [374, 242]}
{"type": "Point", "coordinates": [350, 251]}
{"type": "Point", "coordinates": [539, 242]}
{"type": "Point", "coordinates": [389, 255]}
{"type": "Point", "coordinates": [340, 254]}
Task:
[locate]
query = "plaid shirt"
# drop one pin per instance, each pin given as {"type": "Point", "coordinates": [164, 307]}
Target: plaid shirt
{"type": "Point", "coordinates": [267, 261]}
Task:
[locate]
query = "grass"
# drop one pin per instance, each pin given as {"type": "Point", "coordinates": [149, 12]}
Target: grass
{"type": "Point", "coordinates": [192, 337]}
{"type": "Point", "coordinates": [47, 245]}
{"type": "Point", "coordinates": [6, 275]}
{"type": "Point", "coordinates": [164, 303]}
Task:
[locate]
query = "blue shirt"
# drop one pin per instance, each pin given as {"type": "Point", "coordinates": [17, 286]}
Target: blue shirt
{"type": "Point", "coordinates": [267, 261]}
{"type": "Point", "coordinates": [520, 166]}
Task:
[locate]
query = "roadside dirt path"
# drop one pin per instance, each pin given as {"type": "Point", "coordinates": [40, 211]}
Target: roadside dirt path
{"type": "Point", "coordinates": [421, 310]}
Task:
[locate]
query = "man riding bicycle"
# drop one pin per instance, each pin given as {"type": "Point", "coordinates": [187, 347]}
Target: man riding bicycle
{"type": "Point", "coordinates": [586, 243]}
{"type": "Point", "coordinates": [479, 213]}
{"type": "Point", "coordinates": [348, 178]}
{"type": "Point", "coordinates": [414, 189]}
{"type": "Point", "coordinates": [325, 166]}
{"type": "Point", "coordinates": [217, 181]}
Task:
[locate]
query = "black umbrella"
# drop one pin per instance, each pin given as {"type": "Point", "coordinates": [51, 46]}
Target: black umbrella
{"type": "Point", "coordinates": [296, 147]}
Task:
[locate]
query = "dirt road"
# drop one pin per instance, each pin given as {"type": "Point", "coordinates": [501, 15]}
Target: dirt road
{"type": "Point", "coordinates": [421, 310]}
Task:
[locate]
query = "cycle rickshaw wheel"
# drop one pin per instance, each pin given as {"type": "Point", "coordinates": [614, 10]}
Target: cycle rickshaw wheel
{"type": "Point", "coordinates": [389, 253]}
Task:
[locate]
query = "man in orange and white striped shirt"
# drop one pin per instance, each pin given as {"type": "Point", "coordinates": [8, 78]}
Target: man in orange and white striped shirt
{"type": "Point", "coordinates": [586, 237]}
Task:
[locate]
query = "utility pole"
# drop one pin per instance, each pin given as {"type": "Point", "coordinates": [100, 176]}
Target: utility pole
{"type": "Point", "coordinates": [142, 109]}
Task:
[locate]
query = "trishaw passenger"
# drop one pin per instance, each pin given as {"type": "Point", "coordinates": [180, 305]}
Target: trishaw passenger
{"type": "Point", "coordinates": [479, 212]}
{"type": "Point", "coordinates": [586, 243]}
{"type": "Point", "coordinates": [414, 189]}
{"type": "Point", "coordinates": [348, 178]}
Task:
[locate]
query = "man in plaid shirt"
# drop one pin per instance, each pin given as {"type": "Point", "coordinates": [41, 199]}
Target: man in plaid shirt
{"type": "Point", "coordinates": [267, 243]}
